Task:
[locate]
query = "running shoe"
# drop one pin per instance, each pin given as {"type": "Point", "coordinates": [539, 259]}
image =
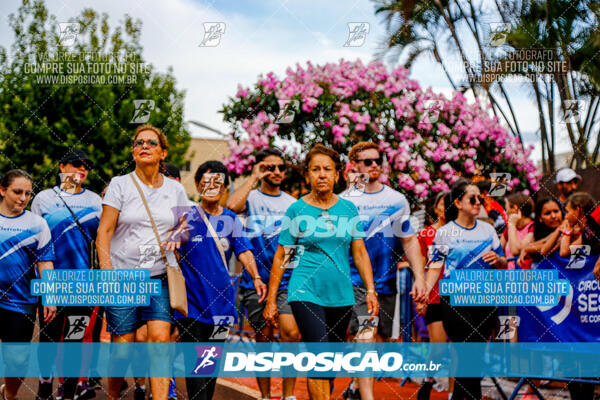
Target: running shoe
{"type": "Point", "coordinates": [2, 388]}
{"type": "Point", "coordinates": [529, 396]}
{"type": "Point", "coordinates": [84, 391]}
{"type": "Point", "coordinates": [139, 393]}
{"type": "Point", "coordinates": [44, 390]}
{"type": "Point", "coordinates": [425, 390]}
{"type": "Point", "coordinates": [60, 394]}
{"type": "Point", "coordinates": [172, 387]}
{"type": "Point", "coordinates": [351, 394]}
{"type": "Point", "coordinates": [123, 390]}
{"type": "Point", "coordinates": [290, 398]}
{"type": "Point", "coordinates": [95, 383]}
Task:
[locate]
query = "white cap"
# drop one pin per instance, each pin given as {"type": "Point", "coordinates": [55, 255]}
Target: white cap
{"type": "Point", "coordinates": [566, 175]}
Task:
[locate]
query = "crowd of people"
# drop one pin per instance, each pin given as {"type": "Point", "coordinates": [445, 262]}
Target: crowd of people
{"type": "Point", "coordinates": [318, 268]}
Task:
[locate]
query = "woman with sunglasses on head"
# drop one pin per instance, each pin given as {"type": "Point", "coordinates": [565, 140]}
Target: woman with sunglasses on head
{"type": "Point", "coordinates": [320, 289]}
{"type": "Point", "coordinates": [465, 243]}
{"type": "Point", "coordinates": [126, 240]}
{"type": "Point", "coordinates": [73, 215]}
{"type": "Point", "coordinates": [25, 243]}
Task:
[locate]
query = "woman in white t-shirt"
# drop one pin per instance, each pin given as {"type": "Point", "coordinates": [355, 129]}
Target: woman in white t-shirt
{"type": "Point", "coordinates": [126, 240]}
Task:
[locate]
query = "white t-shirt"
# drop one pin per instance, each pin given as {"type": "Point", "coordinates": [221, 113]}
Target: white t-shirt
{"type": "Point", "coordinates": [134, 243]}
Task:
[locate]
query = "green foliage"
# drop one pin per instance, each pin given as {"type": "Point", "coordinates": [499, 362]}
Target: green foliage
{"type": "Point", "coordinates": [40, 119]}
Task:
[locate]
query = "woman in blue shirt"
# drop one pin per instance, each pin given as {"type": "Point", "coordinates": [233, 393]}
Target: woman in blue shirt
{"type": "Point", "coordinates": [465, 243]}
{"type": "Point", "coordinates": [25, 242]}
{"type": "Point", "coordinates": [322, 232]}
{"type": "Point", "coordinates": [210, 292]}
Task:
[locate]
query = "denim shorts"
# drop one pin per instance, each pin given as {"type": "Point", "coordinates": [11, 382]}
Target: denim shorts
{"type": "Point", "coordinates": [122, 320]}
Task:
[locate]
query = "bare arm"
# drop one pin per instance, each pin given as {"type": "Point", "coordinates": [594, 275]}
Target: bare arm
{"type": "Point", "coordinates": [412, 249]}
{"type": "Point", "coordinates": [49, 311]}
{"type": "Point", "coordinates": [271, 314]}
{"type": "Point", "coordinates": [248, 261]}
{"type": "Point", "coordinates": [550, 241]}
{"type": "Point", "coordinates": [363, 265]}
{"type": "Point", "coordinates": [108, 223]}
{"type": "Point", "coordinates": [237, 201]}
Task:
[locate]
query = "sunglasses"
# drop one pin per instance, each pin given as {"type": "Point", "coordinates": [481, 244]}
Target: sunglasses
{"type": "Point", "coordinates": [80, 163]}
{"type": "Point", "coordinates": [149, 142]}
{"type": "Point", "coordinates": [278, 167]}
{"type": "Point", "coordinates": [473, 200]}
{"type": "Point", "coordinates": [369, 161]}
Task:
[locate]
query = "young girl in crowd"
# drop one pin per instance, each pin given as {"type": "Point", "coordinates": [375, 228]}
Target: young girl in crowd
{"type": "Point", "coordinates": [548, 218]}
{"type": "Point", "coordinates": [519, 208]}
{"type": "Point", "coordinates": [465, 243]}
{"type": "Point", "coordinates": [433, 309]}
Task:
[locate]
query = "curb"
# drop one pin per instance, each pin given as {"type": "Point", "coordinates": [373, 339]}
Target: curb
{"type": "Point", "coordinates": [227, 389]}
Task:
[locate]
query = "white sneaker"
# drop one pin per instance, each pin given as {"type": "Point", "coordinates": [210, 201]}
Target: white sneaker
{"type": "Point", "coordinates": [290, 398]}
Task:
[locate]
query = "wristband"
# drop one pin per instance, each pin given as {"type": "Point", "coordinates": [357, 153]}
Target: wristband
{"type": "Point", "coordinates": [257, 277]}
{"type": "Point", "coordinates": [567, 233]}
{"type": "Point", "coordinates": [372, 291]}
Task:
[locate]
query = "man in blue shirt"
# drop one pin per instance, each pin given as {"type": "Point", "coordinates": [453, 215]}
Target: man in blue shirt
{"type": "Point", "coordinates": [264, 208]}
{"type": "Point", "coordinates": [73, 214]}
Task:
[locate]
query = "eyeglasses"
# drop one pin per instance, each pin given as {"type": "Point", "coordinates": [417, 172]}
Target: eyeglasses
{"type": "Point", "coordinates": [369, 161]}
{"type": "Point", "coordinates": [149, 142]}
{"type": "Point", "coordinates": [278, 167]}
{"type": "Point", "coordinates": [80, 163]}
{"type": "Point", "coordinates": [473, 200]}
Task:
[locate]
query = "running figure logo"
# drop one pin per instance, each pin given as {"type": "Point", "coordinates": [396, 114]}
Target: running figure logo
{"type": "Point", "coordinates": [508, 326]}
{"type": "Point", "coordinates": [573, 110]}
{"type": "Point", "coordinates": [222, 324]}
{"type": "Point", "coordinates": [69, 31]}
{"type": "Point", "coordinates": [141, 113]}
{"type": "Point", "coordinates": [212, 34]}
{"type": "Point", "coordinates": [366, 327]}
{"type": "Point", "coordinates": [76, 327]}
{"type": "Point", "coordinates": [207, 359]}
{"type": "Point", "coordinates": [578, 256]}
{"type": "Point", "coordinates": [499, 185]}
{"type": "Point", "coordinates": [357, 34]}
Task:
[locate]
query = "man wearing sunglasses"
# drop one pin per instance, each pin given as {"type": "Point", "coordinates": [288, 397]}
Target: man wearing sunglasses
{"type": "Point", "coordinates": [73, 215]}
{"type": "Point", "coordinates": [264, 207]}
{"type": "Point", "coordinates": [385, 215]}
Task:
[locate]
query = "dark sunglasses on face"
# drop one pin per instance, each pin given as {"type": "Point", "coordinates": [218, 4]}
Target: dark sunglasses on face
{"type": "Point", "coordinates": [369, 161]}
{"type": "Point", "coordinates": [473, 200]}
{"type": "Point", "coordinates": [141, 142]}
{"type": "Point", "coordinates": [80, 163]}
{"type": "Point", "coordinates": [279, 167]}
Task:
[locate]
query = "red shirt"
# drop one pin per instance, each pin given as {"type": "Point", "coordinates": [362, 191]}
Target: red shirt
{"type": "Point", "coordinates": [426, 237]}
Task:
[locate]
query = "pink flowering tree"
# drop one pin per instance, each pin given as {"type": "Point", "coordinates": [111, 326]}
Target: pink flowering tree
{"type": "Point", "coordinates": [429, 140]}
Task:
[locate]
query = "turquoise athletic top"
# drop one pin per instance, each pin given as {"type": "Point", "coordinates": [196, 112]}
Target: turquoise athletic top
{"type": "Point", "coordinates": [321, 268]}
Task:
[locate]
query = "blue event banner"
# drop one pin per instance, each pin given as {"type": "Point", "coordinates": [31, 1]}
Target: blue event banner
{"type": "Point", "coordinates": [576, 318]}
{"type": "Point", "coordinates": [500, 287]}
{"type": "Point", "coordinates": [300, 359]}
{"type": "Point", "coordinates": [98, 287]}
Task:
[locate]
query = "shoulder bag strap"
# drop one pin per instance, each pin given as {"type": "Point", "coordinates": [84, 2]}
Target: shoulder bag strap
{"type": "Point", "coordinates": [74, 217]}
{"type": "Point", "coordinates": [139, 189]}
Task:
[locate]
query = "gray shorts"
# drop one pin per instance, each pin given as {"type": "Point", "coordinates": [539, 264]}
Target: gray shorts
{"type": "Point", "coordinates": [387, 306]}
{"type": "Point", "coordinates": [249, 299]}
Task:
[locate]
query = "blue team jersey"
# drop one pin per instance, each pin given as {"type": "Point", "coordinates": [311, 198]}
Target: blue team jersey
{"type": "Point", "coordinates": [264, 213]}
{"type": "Point", "coordinates": [210, 290]}
{"type": "Point", "coordinates": [386, 218]}
{"type": "Point", "coordinates": [24, 240]}
{"type": "Point", "coordinates": [70, 246]}
{"type": "Point", "coordinates": [462, 248]}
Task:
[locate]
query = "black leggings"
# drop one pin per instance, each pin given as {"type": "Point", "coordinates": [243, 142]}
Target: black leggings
{"type": "Point", "coordinates": [192, 330]}
{"type": "Point", "coordinates": [321, 324]}
{"type": "Point", "coordinates": [71, 324]}
{"type": "Point", "coordinates": [468, 324]}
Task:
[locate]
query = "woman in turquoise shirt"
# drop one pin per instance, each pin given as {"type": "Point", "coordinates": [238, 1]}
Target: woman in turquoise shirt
{"type": "Point", "coordinates": [322, 230]}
